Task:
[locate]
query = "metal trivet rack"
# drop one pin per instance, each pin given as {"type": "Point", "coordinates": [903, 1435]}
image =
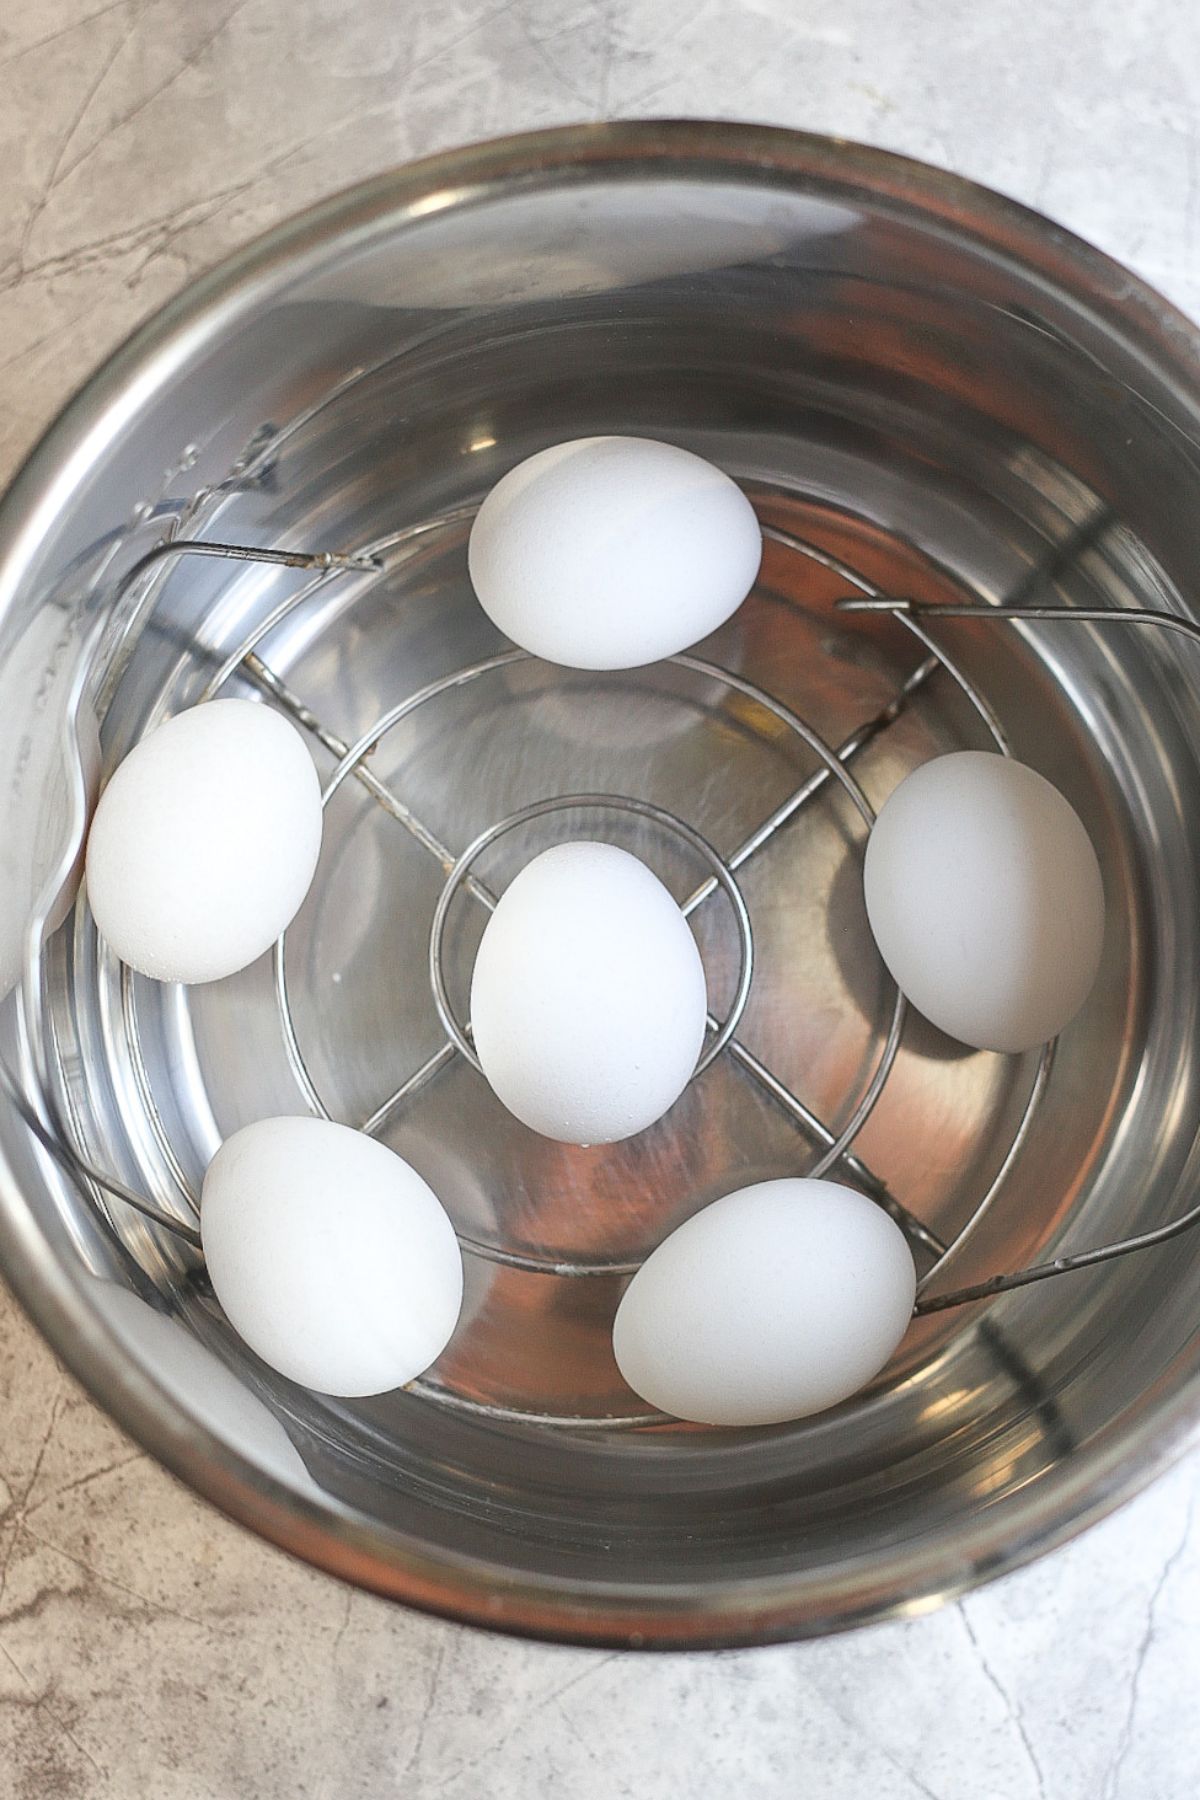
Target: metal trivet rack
{"type": "Point", "coordinates": [37, 1102]}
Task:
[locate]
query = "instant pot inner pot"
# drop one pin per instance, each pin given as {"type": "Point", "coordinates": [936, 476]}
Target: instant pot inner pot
{"type": "Point", "coordinates": [945, 426]}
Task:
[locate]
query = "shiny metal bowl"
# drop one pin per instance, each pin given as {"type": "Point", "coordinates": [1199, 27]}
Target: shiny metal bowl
{"type": "Point", "coordinates": [945, 392]}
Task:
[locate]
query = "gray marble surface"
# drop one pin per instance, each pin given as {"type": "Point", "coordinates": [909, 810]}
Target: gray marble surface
{"type": "Point", "coordinates": [149, 1648]}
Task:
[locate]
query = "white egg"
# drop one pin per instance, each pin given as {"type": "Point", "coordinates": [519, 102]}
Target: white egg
{"type": "Point", "coordinates": [588, 999]}
{"type": "Point", "coordinates": [773, 1303]}
{"type": "Point", "coordinates": [331, 1257]}
{"type": "Point", "coordinates": [985, 899]}
{"type": "Point", "coordinates": [205, 842]}
{"type": "Point", "coordinates": [611, 552]}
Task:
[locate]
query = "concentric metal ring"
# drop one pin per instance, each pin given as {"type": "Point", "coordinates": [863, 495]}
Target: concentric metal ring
{"type": "Point", "coordinates": [623, 803]}
{"type": "Point", "coordinates": [351, 763]}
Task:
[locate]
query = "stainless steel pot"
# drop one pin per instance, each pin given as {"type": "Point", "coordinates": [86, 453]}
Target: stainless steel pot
{"type": "Point", "coordinates": [952, 396]}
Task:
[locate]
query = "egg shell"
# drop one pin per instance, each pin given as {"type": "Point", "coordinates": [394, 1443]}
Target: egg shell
{"type": "Point", "coordinates": [588, 998]}
{"type": "Point", "coordinates": [985, 899]}
{"type": "Point", "coordinates": [770, 1304]}
{"type": "Point", "coordinates": [612, 552]}
{"type": "Point", "coordinates": [330, 1256]}
{"type": "Point", "coordinates": [205, 842]}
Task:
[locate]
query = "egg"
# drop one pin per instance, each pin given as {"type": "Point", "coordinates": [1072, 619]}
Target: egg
{"type": "Point", "coordinates": [330, 1256]}
{"type": "Point", "coordinates": [985, 899]}
{"type": "Point", "coordinates": [772, 1303]}
{"type": "Point", "coordinates": [205, 841]}
{"type": "Point", "coordinates": [611, 552]}
{"type": "Point", "coordinates": [588, 999]}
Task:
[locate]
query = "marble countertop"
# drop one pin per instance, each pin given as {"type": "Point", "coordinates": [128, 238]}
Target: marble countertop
{"type": "Point", "coordinates": [147, 1646]}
